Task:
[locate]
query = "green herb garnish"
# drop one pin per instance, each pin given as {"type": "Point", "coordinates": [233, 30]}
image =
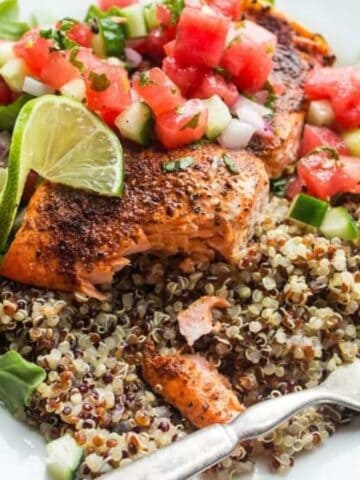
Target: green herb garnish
{"type": "Point", "coordinates": [178, 165]}
{"type": "Point", "coordinates": [330, 151]}
{"type": "Point", "coordinates": [73, 60]}
{"type": "Point", "coordinates": [278, 187]}
{"type": "Point", "coordinates": [18, 380]}
{"type": "Point", "coordinates": [99, 81]}
{"type": "Point", "coordinates": [272, 97]}
{"type": "Point", "coordinates": [230, 164]}
{"type": "Point", "coordinates": [145, 80]}
{"type": "Point", "coordinates": [175, 7]}
{"type": "Point", "coordinates": [61, 41]}
{"type": "Point", "coordinates": [193, 123]}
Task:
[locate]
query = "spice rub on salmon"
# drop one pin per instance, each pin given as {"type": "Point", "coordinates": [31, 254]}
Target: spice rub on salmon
{"type": "Point", "coordinates": [195, 201]}
{"type": "Point", "coordinates": [298, 51]}
{"type": "Point", "coordinates": [192, 385]}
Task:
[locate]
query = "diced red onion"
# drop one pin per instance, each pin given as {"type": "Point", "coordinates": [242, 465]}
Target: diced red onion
{"type": "Point", "coordinates": [251, 112]}
{"type": "Point", "coordinates": [236, 135]}
{"type": "Point", "coordinates": [133, 57]}
{"type": "Point", "coordinates": [35, 87]}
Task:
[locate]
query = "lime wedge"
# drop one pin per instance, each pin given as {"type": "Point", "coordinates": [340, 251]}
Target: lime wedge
{"type": "Point", "coordinates": [2, 178]}
{"type": "Point", "coordinates": [62, 141]}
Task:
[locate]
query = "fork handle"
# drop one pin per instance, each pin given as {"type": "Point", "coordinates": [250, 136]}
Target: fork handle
{"type": "Point", "coordinates": [204, 448]}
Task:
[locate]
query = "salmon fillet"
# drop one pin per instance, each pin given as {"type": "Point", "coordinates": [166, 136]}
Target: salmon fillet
{"type": "Point", "coordinates": [192, 385]}
{"type": "Point", "coordinates": [298, 51]}
{"type": "Point", "coordinates": [73, 240]}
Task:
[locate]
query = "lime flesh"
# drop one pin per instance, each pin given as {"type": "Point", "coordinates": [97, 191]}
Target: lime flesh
{"type": "Point", "coordinates": [62, 141]}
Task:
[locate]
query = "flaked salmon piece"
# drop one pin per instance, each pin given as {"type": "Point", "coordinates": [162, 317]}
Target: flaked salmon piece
{"type": "Point", "coordinates": [73, 240]}
{"type": "Point", "coordinates": [297, 52]}
{"type": "Point", "coordinates": [192, 385]}
{"type": "Point", "coordinates": [197, 320]}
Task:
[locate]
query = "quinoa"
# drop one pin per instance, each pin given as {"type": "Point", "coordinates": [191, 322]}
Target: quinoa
{"type": "Point", "coordinates": [294, 317]}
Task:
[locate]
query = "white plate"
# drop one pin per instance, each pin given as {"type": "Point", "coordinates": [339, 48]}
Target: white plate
{"type": "Point", "coordinates": [22, 453]}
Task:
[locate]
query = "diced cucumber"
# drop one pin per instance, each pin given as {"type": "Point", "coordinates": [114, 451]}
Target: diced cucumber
{"type": "Point", "coordinates": [352, 141]}
{"type": "Point", "coordinates": [14, 72]}
{"type": "Point", "coordinates": [218, 117]}
{"type": "Point", "coordinates": [110, 41]}
{"type": "Point", "coordinates": [339, 223]}
{"type": "Point", "coordinates": [135, 26]}
{"type": "Point", "coordinates": [75, 89]}
{"type": "Point", "coordinates": [151, 17]}
{"type": "Point", "coordinates": [308, 210]}
{"type": "Point", "coordinates": [6, 52]}
{"type": "Point", "coordinates": [135, 123]}
{"type": "Point", "coordinates": [63, 458]}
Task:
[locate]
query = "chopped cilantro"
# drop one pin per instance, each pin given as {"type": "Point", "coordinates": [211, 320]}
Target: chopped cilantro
{"type": "Point", "coordinates": [61, 41]}
{"type": "Point", "coordinates": [66, 24]}
{"type": "Point", "coordinates": [271, 99]}
{"type": "Point", "coordinates": [99, 81]}
{"type": "Point", "coordinates": [332, 153]}
{"type": "Point", "coordinates": [193, 123]}
{"type": "Point", "coordinates": [178, 165]}
{"type": "Point", "coordinates": [145, 80]}
{"type": "Point", "coordinates": [175, 7]}
{"type": "Point", "coordinates": [278, 186]}
{"type": "Point", "coordinates": [230, 164]}
{"type": "Point", "coordinates": [73, 54]}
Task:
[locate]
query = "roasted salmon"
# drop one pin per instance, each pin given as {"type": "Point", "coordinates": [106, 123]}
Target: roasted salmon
{"type": "Point", "coordinates": [192, 385]}
{"type": "Point", "coordinates": [298, 51]}
{"type": "Point", "coordinates": [73, 240]}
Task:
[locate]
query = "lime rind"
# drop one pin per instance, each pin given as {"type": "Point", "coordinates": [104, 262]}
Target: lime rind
{"type": "Point", "coordinates": [62, 141]}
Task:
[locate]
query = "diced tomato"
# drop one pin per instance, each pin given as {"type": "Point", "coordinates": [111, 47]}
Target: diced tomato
{"type": "Point", "coordinates": [249, 63]}
{"type": "Point", "coordinates": [153, 44]}
{"type": "Point", "coordinates": [163, 15]}
{"type": "Point", "coordinates": [215, 84]}
{"type": "Point", "coordinates": [5, 93]}
{"type": "Point", "coordinates": [81, 34]}
{"type": "Point", "coordinates": [184, 77]}
{"type": "Point", "coordinates": [182, 126]}
{"type": "Point", "coordinates": [317, 172]}
{"type": "Point", "coordinates": [325, 176]}
{"type": "Point", "coordinates": [200, 39]}
{"type": "Point", "coordinates": [342, 87]}
{"type": "Point", "coordinates": [169, 48]}
{"type": "Point", "coordinates": [110, 101]}
{"type": "Point", "coordinates": [229, 8]}
{"type": "Point", "coordinates": [106, 4]}
{"type": "Point", "coordinates": [158, 91]}
{"type": "Point", "coordinates": [58, 70]}
{"type": "Point", "coordinates": [34, 50]}
{"type": "Point", "coordinates": [294, 187]}
{"type": "Point", "coordinates": [314, 137]}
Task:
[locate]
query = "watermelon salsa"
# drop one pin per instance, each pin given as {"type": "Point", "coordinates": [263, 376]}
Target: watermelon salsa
{"type": "Point", "coordinates": [177, 72]}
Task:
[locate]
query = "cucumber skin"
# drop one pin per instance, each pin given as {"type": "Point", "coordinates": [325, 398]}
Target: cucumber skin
{"type": "Point", "coordinates": [308, 210]}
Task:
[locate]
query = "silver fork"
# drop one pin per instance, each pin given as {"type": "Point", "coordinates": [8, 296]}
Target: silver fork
{"type": "Point", "coordinates": [202, 449]}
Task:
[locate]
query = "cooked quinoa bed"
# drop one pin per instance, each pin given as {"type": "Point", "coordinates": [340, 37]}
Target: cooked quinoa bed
{"type": "Point", "coordinates": [294, 318]}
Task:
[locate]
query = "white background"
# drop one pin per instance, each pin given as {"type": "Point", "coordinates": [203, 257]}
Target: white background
{"type": "Point", "coordinates": [22, 455]}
